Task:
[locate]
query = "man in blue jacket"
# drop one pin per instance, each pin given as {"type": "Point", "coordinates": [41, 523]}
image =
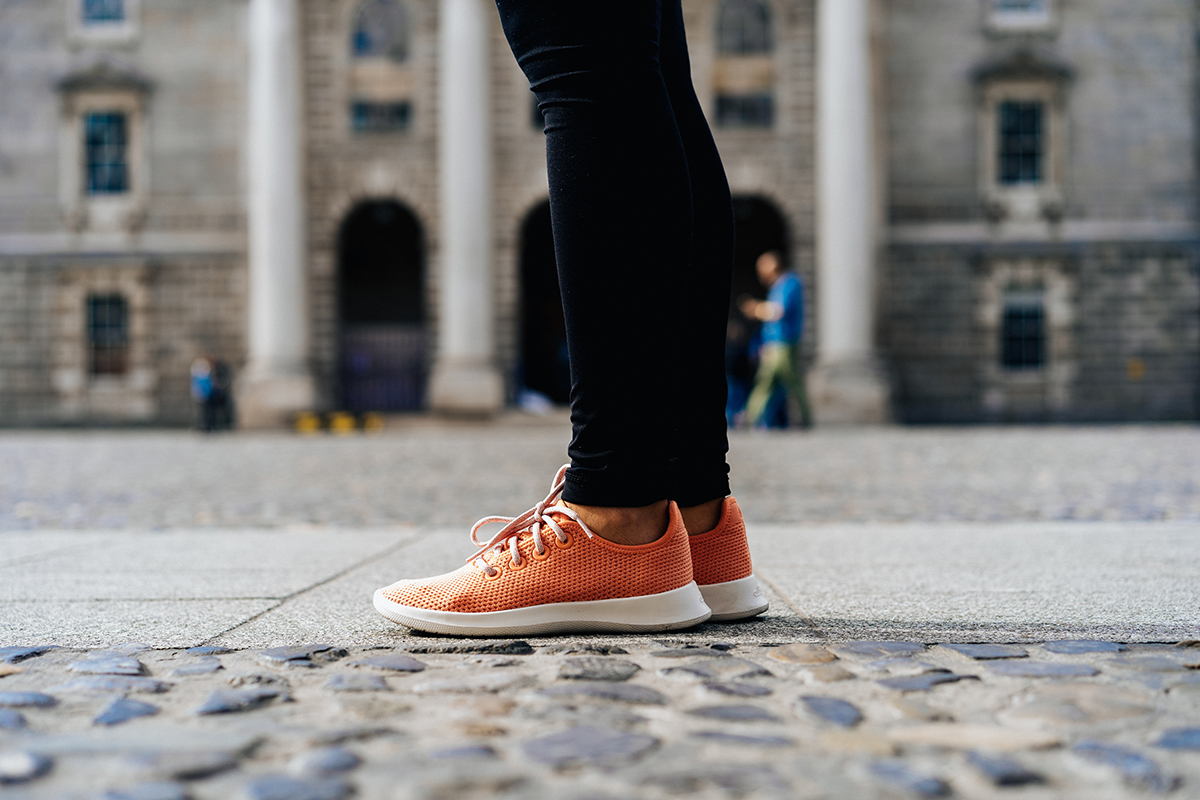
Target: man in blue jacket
{"type": "Point", "coordinates": [782, 316]}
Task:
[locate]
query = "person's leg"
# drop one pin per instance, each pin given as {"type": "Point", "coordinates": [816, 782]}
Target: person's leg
{"type": "Point", "coordinates": [797, 387]}
{"type": "Point", "coordinates": [620, 206]}
{"type": "Point", "coordinates": [765, 381]}
{"type": "Point", "coordinates": [699, 473]}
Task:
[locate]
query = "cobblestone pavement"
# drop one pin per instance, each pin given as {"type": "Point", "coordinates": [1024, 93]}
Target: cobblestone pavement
{"type": "Point", "coordinates": [423, 472]}
{"type": "Point", "coordinates": [262, 550]}
{"type": "Point", "coordinates": [612, 718]}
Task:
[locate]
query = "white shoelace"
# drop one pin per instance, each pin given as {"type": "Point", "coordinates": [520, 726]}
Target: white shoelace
{"type": "Point", "coordinates": [533, 520]}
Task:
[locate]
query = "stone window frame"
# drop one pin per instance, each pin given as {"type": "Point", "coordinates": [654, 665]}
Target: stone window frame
{"type": "Point", "coordinates": [1007, 390]}
{"type": "Point", "coordinates": [125, 32]}
{"type": "Point", "coordinates": [1010, 21]}
{"type": "Point", "coordinates": [380, 80]}
{"type": "Point", "coordinates": [103, 89]}
{"type": "Point", "coordinates": [83, 395]}
{"type": "Point", "coordinates": [1023, 79]}
{"type": "Point", "coordinates": [742, 75]}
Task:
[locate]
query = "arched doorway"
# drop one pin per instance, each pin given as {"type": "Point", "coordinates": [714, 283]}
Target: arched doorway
{"type": "Point", "coordinates": [381, 309]}
{"type": "Point", "coordinates": [543, 368]}
{"type": "Point", "coordinates": [759, 228]}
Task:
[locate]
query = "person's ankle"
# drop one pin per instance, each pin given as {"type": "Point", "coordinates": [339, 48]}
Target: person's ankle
{"type": "Point", "coordinates": [702, 518]}
{"type": "Point", "coordinates": [631, 526]}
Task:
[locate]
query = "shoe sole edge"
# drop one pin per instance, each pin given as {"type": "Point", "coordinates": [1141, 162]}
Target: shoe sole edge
{"type": "Point", "coordinates": [667, 611]}
{"type": "Point", "coordinates": [734, 600]}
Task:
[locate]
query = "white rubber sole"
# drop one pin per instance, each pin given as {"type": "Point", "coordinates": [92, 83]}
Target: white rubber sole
{"type": "Point", "coordinates": [732, 600]}
{"type": "Point", "coordinates": [669, 611]}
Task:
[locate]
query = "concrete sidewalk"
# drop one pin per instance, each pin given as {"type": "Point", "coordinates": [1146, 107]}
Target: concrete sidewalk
{"type": "Point", "coordinates": [930, 582]}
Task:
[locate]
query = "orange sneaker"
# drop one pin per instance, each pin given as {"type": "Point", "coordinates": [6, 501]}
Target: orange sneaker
{"type": "Point", "coordinates": [721, 566]}
{"type": "Point", "coordinates": [546, 572]}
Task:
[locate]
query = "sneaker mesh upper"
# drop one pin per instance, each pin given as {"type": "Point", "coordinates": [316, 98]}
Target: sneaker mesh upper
{"type": "Point", "coordinates": [589, 569]}
{"type": "Point", "coordinates": [722, 554]}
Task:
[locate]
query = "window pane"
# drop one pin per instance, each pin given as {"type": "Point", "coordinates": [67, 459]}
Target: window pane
{"type": "Point", "coordinates": [108, 334]}
{"type": "Point", "coordinates": [105, 145]}
{"type": "Point", "coordinates": [381, 30]}
{"type": "Point", "coordinates": [1023, 333]}
{"type": "Point", "coordinates": [1021, 144]}
{"type": "Point", "coordinates": [1019, 6]}
{"type": "Point", "coordinates": [103, 10]}
{"type": "Point", "coordinates": [744, 26]}
{"type": "Point", "coordinates": [368, 117]}
{"type": "Point", "coordinates": [745, 111]}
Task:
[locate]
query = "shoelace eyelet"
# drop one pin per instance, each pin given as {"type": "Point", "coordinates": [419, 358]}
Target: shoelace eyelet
{"type": "Point", "coordinates": [515, 567]}
{"type": "Point", "coordinates": [494, 575]}
{"type": "Point", "coordinates": [561, 545]}
{"type": "Point", "coordinates": [541, 556]}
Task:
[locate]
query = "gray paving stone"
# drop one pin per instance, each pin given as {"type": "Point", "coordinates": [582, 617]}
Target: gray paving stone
{"type": "Point", "coordinates": [259, 679]}
{"type": "Point", "coordinates": [122, 709]}
{"type": "Point", "coordinates": [1180, 739]}
{"type": "Point", "coordinates": [14, 655]}
{"type": "Point", "coordinates": [1042, 669]}
{"type": "Point", "coordinates": [114, 683]}
{"type": "Point", "coordinates": [901, 776]}
{"type": "Point", "coordinates": [1002, 770]}
{"type": "Point", "coordinates": [735, 713]}
{"type": "Point", "coordinates": [226, 701]}
{"type": "Point", "coordinates": [283, 787]}
{"type": "Point", "coordinates": [832, 709]}
{"type": "Point", "coordinates": [801, 653]}
{"type": "Point", "coordinates": [325, 761]}
{"type": "Point", "coordinates": [621, 692]}
{"type": "Point", "coordinates": [716, 669]}
{"type": "Point", "coordinates": [984, 652]}
{"type": "Point", "coordinates": [583, 650]}
{"type": "Point", "coordinates": [490, 682]}
{"type": "Point", "coordinates": [596, 668]}
{"type": "Point", "coordinates": [1080, 646]}
{"type": "Point", "coordinates": [723, 737]}
{"type": "Point", "coordinates": [126, 649]}
{"type": "Point", "coordinates": [12, 720]}
{"type": "Point", "coordinates": [879, 649]}
{"type": "Point", "coordinates": [1135, 768]}
{"type": "Point", "coordinates": [21, 766]}
{"type": "Point", "coordinates": [1147, 664]}
{"type": "Point", "coordinates": [26, 700]}
{"type": "Point", "coordinates": [109, 665]}
{"type": "Point", "coordinates": [737, 689]}
{"type": "Point", "coordinates": [902, 665]}
{"type": "Point", "coordinates": [690, 652]}
{"type": "Point", "coordinates": [512, 648]}
{"type": "Point", "coordinates": [488, 660]}
{"type": "Point", "coordinates": [308, 655]}
{"type": "Point", "coordinates": [730, 780]}
{"type": "Point", "coordinates": [465, 752]}
{"type": "Point", "coordinates": [588, 745]}
{"type": "Point", "coordinates": [923, 683]}
{"type": "Point", "coordinates": [205, 665]}
{"type": "Point", "coordinates": [208, 650]}
{"type": "Point", "coordinates": [356, 683]}
{"type": "Point", "coordinates": [180, 765]}
{"type": "Point", "coordinates": [393, 663]}
{"type": "Point", "coordinates": [150, 790]}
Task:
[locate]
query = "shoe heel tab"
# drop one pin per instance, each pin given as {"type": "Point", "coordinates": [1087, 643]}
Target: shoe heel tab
{"type": "Point", "coordinates": [675, 524]}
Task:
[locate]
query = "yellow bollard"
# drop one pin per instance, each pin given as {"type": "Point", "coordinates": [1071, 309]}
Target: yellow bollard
{"type": "Point", "coordinates": [373, 422]}
{"type": "Point", "coordinates": [307, 423]}
{"type": "Point", "coordinates": [341, 423]}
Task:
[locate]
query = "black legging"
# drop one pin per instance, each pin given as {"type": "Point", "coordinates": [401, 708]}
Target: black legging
{"type": "Point", "coordinates": [643, 236]}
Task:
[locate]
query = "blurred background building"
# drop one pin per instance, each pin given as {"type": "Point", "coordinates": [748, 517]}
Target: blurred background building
{"type": "Point", "coordinates": [994, 202]}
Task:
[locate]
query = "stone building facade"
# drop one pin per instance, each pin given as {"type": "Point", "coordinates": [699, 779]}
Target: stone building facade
{"type": "Point", "coordinates": [345, 199]}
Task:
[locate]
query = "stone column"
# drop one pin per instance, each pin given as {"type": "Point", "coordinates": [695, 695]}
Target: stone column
{"type": "Point", "coordinates": [277, 381]}
{"type": "Point", "coordinates": [847, 383]}
{"type": "Point", "coordinates": [465, 379]}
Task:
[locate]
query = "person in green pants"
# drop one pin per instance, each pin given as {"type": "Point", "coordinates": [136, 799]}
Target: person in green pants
{"type": "Point", "coordinates": [782, 316]}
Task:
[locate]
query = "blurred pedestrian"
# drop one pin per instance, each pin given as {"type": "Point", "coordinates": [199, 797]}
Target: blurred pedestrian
{"type": "Point", "coordinates": [638, 532]}
{"type": "Point", "coordinates": [202, 392]}
{"type": "Point", "coordinates": [782, 317]}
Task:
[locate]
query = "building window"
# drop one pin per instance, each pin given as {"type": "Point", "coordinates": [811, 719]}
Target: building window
{"type": "Point", "coordinates": [380, 77]}
{"type": "Point", "coordinates": [105, 142]}
{"type": "Point", "coordinates": [369, 117]}
{"type": "Point", "coordinates": [1023, 331]}
{"type": "Point", "coordinates": [743, 28]}
{"type": "Point", "coordinates": [744, 73]}
{"type": "Point", "coordinates": [1020, 142]}
{"type": "Point", "coordinates": [103, 11]}
{"type": "Point", "coordinates": [1020, 15]}
{"type": "Point", "coordinates": [108, 334]}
